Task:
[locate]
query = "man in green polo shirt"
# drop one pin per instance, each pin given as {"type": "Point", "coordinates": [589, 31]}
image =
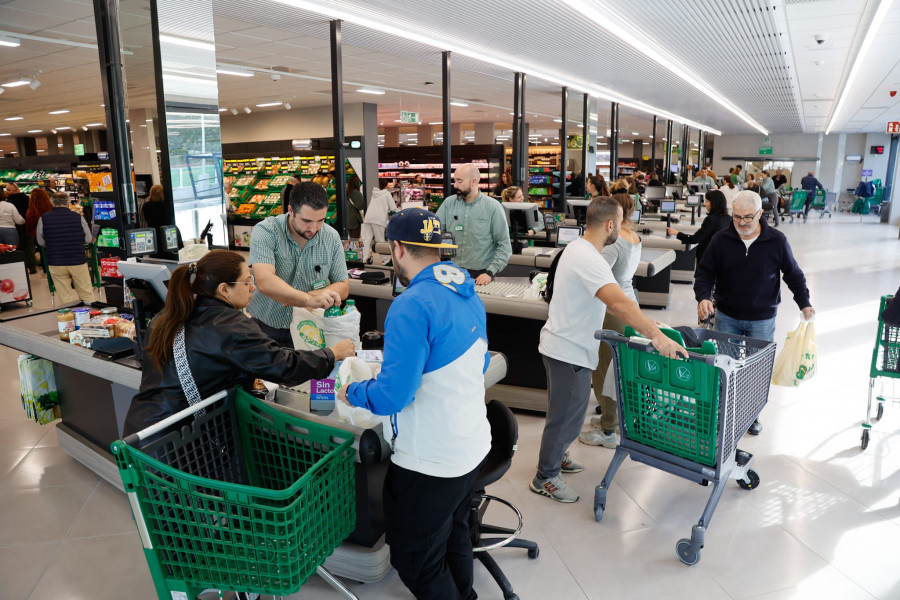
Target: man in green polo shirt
{"type": "Point", "coordinates": [478, 226]}
{"type": "Point", "coordinates": [297, 260]}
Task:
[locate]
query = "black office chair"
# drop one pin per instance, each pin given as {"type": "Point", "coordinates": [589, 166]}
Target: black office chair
{"type": "Point", "coordinates": [504, 434]}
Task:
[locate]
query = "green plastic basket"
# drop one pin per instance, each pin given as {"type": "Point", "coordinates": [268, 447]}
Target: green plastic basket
{"type": "Point", "coordinates": [886, 355]}
{"type": "Point", "coordinates": [247, 499]}
{"type": "Point", "coordinates": [671, 405]}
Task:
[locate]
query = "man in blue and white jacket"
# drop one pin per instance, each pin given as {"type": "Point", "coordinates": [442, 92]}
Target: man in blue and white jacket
{"type": "Point", "coordinates": [432, 386]}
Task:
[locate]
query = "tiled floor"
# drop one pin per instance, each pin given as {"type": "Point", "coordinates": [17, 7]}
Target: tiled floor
{"type": "Point", "coordinates": [824, 523]}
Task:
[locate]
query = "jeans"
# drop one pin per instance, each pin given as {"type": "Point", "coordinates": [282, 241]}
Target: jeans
{"type": "Point", "coordinates": [758, 330]}
{"type": "Point", "coordinates": [9, 235]}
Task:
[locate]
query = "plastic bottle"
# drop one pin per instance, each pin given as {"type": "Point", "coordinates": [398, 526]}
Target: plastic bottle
{"type": "Point", "coordinates": [350, 307]}
{"type": "Point", "coordinates": [333, 311]}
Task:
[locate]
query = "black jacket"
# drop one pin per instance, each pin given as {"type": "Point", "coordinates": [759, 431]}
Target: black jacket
{"type": "Point", "coordinates": [747, 283]}
{"type": "Point", "coordinates": [225, 348]}
{"type": "Point", "coordinates": [20, 201]}
{"type": "Point", "coordinates": [711, 225]}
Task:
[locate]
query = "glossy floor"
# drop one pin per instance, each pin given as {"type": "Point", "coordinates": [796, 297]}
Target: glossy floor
{"type": "Point", "coordinates": [824, 523]}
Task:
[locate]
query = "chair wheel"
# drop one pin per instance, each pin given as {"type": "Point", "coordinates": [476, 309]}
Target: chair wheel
{"type": "Point", "coordinates": [534, 552]}
{"type": "Point", "coordinates": [752, 481]}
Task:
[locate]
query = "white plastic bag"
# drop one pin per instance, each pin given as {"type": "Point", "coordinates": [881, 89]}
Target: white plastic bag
{"type": "Point", "coordinates": [352, 370]}
{"type": "Point", "coordinates": [312, 330]}
{"type": "Point", "coordinates": [538, 285]}
{"type": "Point", "coordinates": [796, 362]}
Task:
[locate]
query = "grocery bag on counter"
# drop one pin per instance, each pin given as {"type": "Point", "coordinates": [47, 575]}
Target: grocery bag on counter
{"type": "Point", "coordinates": [352, 370]}
{"type": "Point", "coordinates": [38, 388]}
{"type": "Point", "coordinates": [312, 330]}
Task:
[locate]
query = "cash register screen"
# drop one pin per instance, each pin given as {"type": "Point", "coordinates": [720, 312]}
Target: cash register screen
{"type": "Point", "coordinates": [169, 238]}
{"type": "Point", "coordinates": [667, 206]}
{"type": "Point", "coordinates": [693, 200]}
{"type": "Point", "coordinates": [566, 235]}
{"type": "Point", "coordinates": [141, 241]}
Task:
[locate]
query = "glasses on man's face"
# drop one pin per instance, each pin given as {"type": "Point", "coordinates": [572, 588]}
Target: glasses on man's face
{"type": "Point", "coordinates": [251, 282]}
{"type": "Point", "coordinates": [744, 218]}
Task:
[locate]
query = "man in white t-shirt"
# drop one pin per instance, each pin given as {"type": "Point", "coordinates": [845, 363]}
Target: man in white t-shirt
{"type": "Point", "coordinates": [584, 287]}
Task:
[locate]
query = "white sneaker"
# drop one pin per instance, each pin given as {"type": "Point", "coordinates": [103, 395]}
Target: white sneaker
{"type": "Point", "coordinates": [598, 437]}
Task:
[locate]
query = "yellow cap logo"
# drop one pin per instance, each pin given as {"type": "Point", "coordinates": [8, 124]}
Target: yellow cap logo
{"type": "Point", "coordinates": [428, 227]}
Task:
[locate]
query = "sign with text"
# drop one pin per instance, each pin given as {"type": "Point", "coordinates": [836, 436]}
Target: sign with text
{"type": "Point", "coordinates": [765, 149]}
{"type": "Point", "coordinates": [409, 117]}
{"type": "Point", "coordinates": [893, 127]}
{"type": "Point", "coordinates": [867, 172]}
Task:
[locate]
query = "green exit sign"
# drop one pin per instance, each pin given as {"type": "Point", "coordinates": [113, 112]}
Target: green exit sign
{"type": "Point", "coordinates": [409, 117]}
{"type": "Point", "coordinates": [79, 149]}
{"type": "Point", "coordinates": [765, 149]}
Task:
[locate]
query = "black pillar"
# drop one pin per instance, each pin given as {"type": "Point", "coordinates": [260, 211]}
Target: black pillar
{"type": "Point", "coordinates": [653, 142]}
{"type": "Point", "coordinates": [586, 136]}
{"type": "Point", "coordinates": [613, 142]}
{"type": "Point", "coordinates": [520, 138]}
{"type": "Point", "coordinates": [106, 19]}
{"type": "Point", "coordinates": [685, 152]}
{"type": "Point", "coordinates": [560, 204]}
{"type": "Point", "coordinates": [445, 101]}
{"type": "Point", "coordinates": [337, 114]}
{"type": "Point", "coordinates": [26, 146]}
{"type": "Point", "coordinates": [667, 166]}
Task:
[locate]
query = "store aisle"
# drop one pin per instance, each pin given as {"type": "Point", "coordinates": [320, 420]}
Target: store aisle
{"type": "Point", "coordinates": [824, 523]}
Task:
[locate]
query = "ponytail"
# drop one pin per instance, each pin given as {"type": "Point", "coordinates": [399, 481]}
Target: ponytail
{"type": "Point", "coordinates": [200, 278]}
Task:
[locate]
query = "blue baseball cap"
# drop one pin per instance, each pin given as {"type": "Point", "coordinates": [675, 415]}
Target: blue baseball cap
{"type": "Point", "coordinates": [418, 227]}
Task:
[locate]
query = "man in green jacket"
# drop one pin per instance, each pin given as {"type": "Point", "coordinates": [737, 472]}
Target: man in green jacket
{"type": "Point", "coordinates": [478, 225]}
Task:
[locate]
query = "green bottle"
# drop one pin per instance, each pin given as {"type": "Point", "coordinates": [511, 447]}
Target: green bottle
{"type": "Point", "coordinates": [333, 311]}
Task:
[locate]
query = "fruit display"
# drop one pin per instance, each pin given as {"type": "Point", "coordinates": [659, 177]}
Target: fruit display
{"type": "Point", "coordinates": [262, 185]}
{"type": "Point", "coordinates": [245, 180]}
{"type": "Point", "coordinates": [8, 248]}
{"type": "Point", "coordinates": [272, 198]}
{"type": "Point", "coordinates": [279, 181]}
{"type": "Point", "coordinates": [245, 209]}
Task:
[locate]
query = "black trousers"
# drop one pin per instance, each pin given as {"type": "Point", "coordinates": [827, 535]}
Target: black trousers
{"type": "Point", "coordinates": [426, 526]}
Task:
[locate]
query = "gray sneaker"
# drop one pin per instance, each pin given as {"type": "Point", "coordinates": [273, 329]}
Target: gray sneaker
{"type": "Point", "coordinates": [554, 488]}
{"type": "Point", "coordinates": [598, 437]}
{"type": "Point", "coordinates": [569, 465]}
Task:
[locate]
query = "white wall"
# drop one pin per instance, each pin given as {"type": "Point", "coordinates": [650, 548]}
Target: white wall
{"type": "Point", "coordinates": [296, 124]}
{"type": "Point", "coordinates": [877, 162]}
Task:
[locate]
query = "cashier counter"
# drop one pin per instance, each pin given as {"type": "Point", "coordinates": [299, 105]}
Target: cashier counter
{"type": "Point", "coordinates": [95, 394]}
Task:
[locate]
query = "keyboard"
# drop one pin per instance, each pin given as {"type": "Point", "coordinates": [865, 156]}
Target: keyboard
{"type": "Point", "coordinates": [497, 288]}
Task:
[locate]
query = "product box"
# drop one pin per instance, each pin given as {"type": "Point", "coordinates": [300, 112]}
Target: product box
{"type": "Point", "coordinates": [37, 385]}
{"type": "Point", "coordinates": [321, 391]}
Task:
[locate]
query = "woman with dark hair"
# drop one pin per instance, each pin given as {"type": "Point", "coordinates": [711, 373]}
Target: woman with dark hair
{"type": "Point", "coordinates": [203, 341]}
{"type": "Point", "coordinates": [356, 206]}
{"type": "Point", "coordinates": [717, 218]}
{"type": "Point", "coordinates": [623, 256]}
{"type": "Point", "coordinates": [38, 204]}
{"type": "Point", "coordinates": [505, 182]}
{"type": "Point", "coordinates": [596, 186]}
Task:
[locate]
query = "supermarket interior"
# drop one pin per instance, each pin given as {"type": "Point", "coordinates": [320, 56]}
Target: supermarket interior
{"type": "Point", "coordinates": [176, 127]}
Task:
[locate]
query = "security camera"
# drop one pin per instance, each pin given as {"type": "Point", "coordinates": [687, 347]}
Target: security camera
{"type": "Point", "coordinates": [275, 77]}
{"type": "Point", "coordinates": [820, 39]}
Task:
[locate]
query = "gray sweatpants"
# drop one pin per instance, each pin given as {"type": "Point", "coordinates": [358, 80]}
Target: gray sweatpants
{"type": "Point", "coordinates": [568, 393]}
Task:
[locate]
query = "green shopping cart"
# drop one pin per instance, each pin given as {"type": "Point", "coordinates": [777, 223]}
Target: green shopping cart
{"type": "Point", "coordinates": [885, 365]}
{"type": "Point", "coordinates": [685, 417]}
{"type": "Point", "coordinates": [232, 494]}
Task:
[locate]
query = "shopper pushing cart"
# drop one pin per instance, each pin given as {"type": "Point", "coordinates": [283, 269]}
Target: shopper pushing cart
{"type": "Point", "coordinates": [686, 417]}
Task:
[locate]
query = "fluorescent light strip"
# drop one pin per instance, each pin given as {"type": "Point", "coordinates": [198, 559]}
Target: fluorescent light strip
{"type": "Point", "coordinates": [265, 104]}
{"type": "Point", "coordinates": [179, 41]}
{"type": "Point", "coordinates": [369, 90]}
{"type": "Point", "coordinates": [16, 82]}
{"type": "Point", "coordinates": [61, 111]}
{"type": "Point", "coordinates": [376, 22]}
{"type": "Point", "coordinates": [638, 40]}
{"type": "Point", "coordinates": [13, 118]}
{"type": "Point", "coordinates": [868, 39]}
{"type": "Point", "coordinates": [10, 42]}
{"type": "Point", "coordinates": [95, 125]}
{"type": "Point", "coordinates": [236, 71]}
{"type": "Point", "coordinates": [35, 131]}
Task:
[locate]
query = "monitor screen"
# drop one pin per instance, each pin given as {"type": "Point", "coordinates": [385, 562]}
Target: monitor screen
{"type": "Point", "coordinates": [674, 168]}
{"type": "Point", "coordinates": [655, 192]}
{"type": "Point", "coordinates": [168, 235]}
{"type": "Point", "coordinates": [522, 216]}
{"type": "Point", "coordinates": [693, 200]}
{"type": "Point", "coordinates": [157, 275]}
{"type": "Point", "coordinates": [566, 234]}
{"type": "Point", "coordinates": [636, 216]}
{"type": "Point", "coordinates": [577, 209]}
{"type": "Point", "coordinates": [667, 206]}
{"type": "Point", "coordinates": [141, 241]}
{"type": "Point", "coordinates": [140, 188]}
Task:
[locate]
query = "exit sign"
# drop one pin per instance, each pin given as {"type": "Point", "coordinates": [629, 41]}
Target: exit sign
{"type": "Point", "coordinates": [79, 149]}
{"type": "Point", "coordinates": [765, 149]}
{"type": "Point", "coordinates": [893, 127]}
{"type": "Point", "coordinates": [409, 117]}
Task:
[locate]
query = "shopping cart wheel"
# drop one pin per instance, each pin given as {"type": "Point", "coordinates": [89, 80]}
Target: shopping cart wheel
{"type": "Point", "coordinates": [686, 552]}
{"type": "Point", "coordinates": [880, 411]}
{"type": "Point", "coordinates": [751, 482]}
{"type": "Point", "coordinates": [599, 502]}
{"type": "Point", "coordinates": [864, 442]}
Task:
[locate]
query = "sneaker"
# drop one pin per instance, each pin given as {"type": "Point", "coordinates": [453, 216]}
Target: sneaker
{"type": "Point", "coordinates": [598, 437]}
{"type": "Point", "coordinates": [554, 488]}
{"type": "Point", "coordinates": [569, 465]}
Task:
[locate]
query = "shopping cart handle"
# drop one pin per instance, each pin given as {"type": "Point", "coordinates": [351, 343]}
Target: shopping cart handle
{"type": "Point", "coordinates": [143, 434]}
{"type": "Point", "coordinates": [642, 343]}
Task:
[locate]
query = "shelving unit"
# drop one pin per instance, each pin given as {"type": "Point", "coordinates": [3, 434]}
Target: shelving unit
{"type": "Point", "coordinates": [626, 167]}
{"type": "Point", "coordinates": [543, 174]}
{"type": "Point", "coordinates": [404, 163]}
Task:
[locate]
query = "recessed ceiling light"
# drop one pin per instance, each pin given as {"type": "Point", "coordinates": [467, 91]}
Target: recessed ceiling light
{"type": "Point", "coordinates": [12, 42]}
{"type": "Point", "coordinates": [4, 134]}
{"type": "Point", "coordinates": [61, 111]}
{"type": "Point", "coordinates": [557, 120]}
{"type": "Point", "coordinates": [223, 109]}
{"type": "Point", "coordinates": [247, 110]}
{"type": "Point", "coordinates": [35, 131]}
{"type": "Point", "coordinates": [265, 104]}
{"type": "Point", "coordinates": [63, 128]}
{"type": "Point", "coordinates": [436, 123]}
{"type": "Point", "coordinates": [17, 118]}
{"type": "Point", "coordinates": [458, 103]}
{"type": "Point", "coordinates": [95, 125]}
{"type": "Point", "coordinates": [635, 133]}
{"type": "Point", "coordinates": [371, 90]}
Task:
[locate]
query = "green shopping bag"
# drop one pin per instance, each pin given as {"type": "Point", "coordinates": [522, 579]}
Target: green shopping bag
{"type": "Point", "coordinates": [796, 362]}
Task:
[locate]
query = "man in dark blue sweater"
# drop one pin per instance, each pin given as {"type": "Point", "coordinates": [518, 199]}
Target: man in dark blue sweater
{"type": "Point", "coordinates": [810, 184]}
{"type": "Point", "coordinates": [744, 264]}
{"type": "Point", "coordinates": [63, 233]}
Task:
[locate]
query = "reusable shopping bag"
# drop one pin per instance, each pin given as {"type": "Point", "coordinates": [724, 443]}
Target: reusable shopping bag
{"type": "Point", "coordinates": [797, 360]}
{"type": "Point", "coordinates": [352, 370]}
{"type": "Point", "coordinates": [37, 385]}
{"type": "Point", "coordinates": [312, 330]}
